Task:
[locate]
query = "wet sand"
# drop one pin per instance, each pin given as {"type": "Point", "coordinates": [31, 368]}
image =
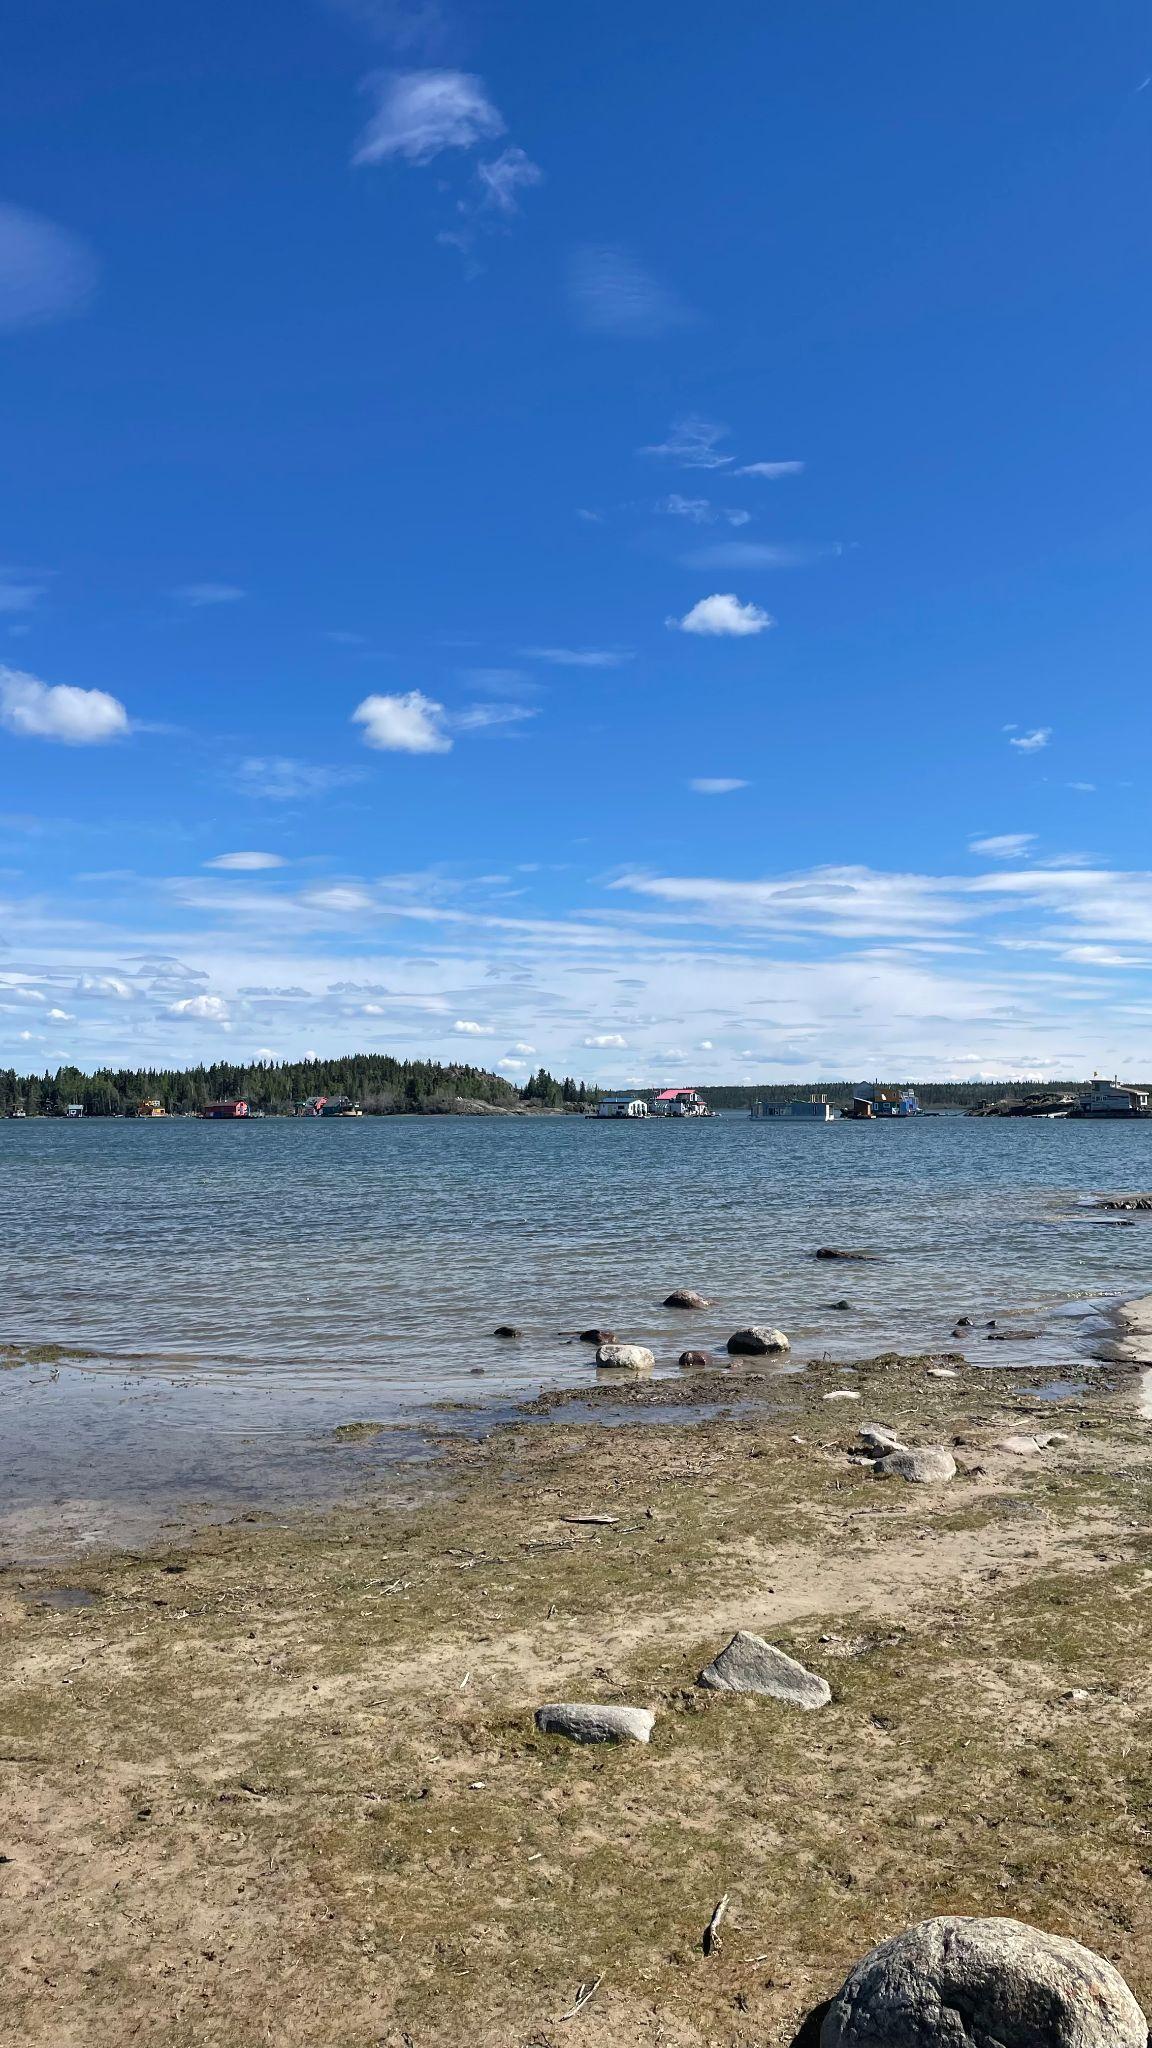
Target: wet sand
{"type": "Point", "coordinates": [279, 1780]}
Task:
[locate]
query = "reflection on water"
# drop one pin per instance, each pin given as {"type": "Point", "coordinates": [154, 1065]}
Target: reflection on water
{"type": "Point", "coordinates": [248, 1287]}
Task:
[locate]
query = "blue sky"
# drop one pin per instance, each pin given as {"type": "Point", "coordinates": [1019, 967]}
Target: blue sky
{"type": "Point", "coordinates": [612, 537]}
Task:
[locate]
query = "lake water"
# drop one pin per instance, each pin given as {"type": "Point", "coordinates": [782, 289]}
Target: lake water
{"type": "Point", "coordinates": [245, 1287]}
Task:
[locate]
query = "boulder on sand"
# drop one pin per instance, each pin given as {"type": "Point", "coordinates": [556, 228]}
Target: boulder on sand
{"type": "Point", "coordinates": [957, 1981]}
{"type": "Point", "coordinates": [685, 1297]}
{"type": "Point", "coordinates": [595, 1723]}
{"type": "Point", "coordinates": [628, 1357]}
{"type": "Point", "coordinates": [757, 1342]}
{"type": "Point", "coordinates": [924, 1465]}
{"type": "Point", "coordinates": [749, 1664]}
{"type": "Point", "coordinates": [1027, 1446]}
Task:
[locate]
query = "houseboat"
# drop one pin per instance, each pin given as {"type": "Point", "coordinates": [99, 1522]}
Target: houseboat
{"type": "Point", "coordinates": [815, 1110]}
{"type": "Point", "coordinates": [223, 1112]}
{"type": "Point", "coordinates": [611, 1106]}
{"type": "Point", "coordinates": [679, 1102]}
{"type": "Point", "coordinates": [871, 1100]}
{"type": "Point", "coordinates": [74, 1109]}
{"type": "Point", "coordinates": [151, 1109]}
{"type": "Point", "coordinates": [1112, 1099]}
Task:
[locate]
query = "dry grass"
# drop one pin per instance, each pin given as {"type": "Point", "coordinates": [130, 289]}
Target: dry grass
{"type": "Point", "coordinates": [283, 1785]}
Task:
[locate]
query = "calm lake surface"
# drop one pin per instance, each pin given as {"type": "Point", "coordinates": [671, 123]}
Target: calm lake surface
{"type": "Point", "coordinates": [245, 1287]}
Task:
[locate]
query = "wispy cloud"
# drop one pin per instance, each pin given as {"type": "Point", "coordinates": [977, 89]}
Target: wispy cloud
{"type": "Point", "coordinates": [408, 723]}
{"type": "Point", "coordinates": [21, 589]}
{"type": "Point", "coordinates": [693, 443]}
{"type": "Point", "coordinates": [419, 114]}
{"type": "Point", "coordinates": [43, 711]}
{"type": "Point", "coordinates": [751, 554]}
{"type": "Point", "coordinates": [723, 616]}
{"type": "Point", "coordinates": [579, 657]}
{"type": "Point", "coordinates": [1031, 742]}
{"type": "Point", "coordinates": [45, 273]}
{"type": "Point", "coordinates": [1004, 845]}
{"type": "Point", "coordinates": [484, 717]}
{"type": "Point", "coordinates": [245, 863]}
{"type": "Point", "coordinates": [611, 293]}
{"type": "Point", "coordinates": [506, 177]}
{"type": "Point", "coordinates": [201, 596]}
{"type": "Point", "coordinates": [419, 28]}
{"type": "Point", "coordinates": [716, 785]}
{"type": "Point", "coordinates": [772, 470]}
{"type": "Point", "coordinates": [279, 779]}
{"type": "Point", "coordinates": [701, 511]}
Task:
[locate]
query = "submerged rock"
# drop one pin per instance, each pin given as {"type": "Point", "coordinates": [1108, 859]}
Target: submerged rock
{"type": "Point", "coordinates": [690, 1359]}
{"type": "Point", "coordinates": [831, 1251]}
{"type": "Point", "coordinates": [957, 1982]}
{"type": "Point", "coordinates": [757, 1342]}
{"type": "Point", "coordinates": [597, 1336]}
{"type": "Point", "coordinates": [924, 1465]}
{"type": "Point", "coordinates": [507, 1330]}
{"type": "Point", "coordinates": [749, 1664]}
{"type": "Point", "coordinates": [595, 1723]}
{"type": "Point", "coordinates": [629, 1357]}
{"type": "Point", "coordinates": [685, 1297]}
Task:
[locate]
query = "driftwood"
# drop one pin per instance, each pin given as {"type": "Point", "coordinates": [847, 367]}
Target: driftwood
{"type": "Point", "coordinates": [711, 1932]}
{"type": "Point", "coordinates": [583, 1993]}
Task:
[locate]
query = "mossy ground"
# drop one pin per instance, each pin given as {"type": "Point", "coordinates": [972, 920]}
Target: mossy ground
{"type": "Point", "coordinates": [282, 1785]}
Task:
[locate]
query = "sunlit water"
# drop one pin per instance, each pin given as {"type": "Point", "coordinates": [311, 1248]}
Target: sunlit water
{"type": "Point", "coordinates": [245, 1287]}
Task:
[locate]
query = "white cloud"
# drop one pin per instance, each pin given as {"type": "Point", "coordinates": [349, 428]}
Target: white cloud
{"type": "Point", "coordinates": [78, 718]}
{"type": "Point", "coordinates": [699, 510]}
{"type": "Point", "coordinates": [201, 1009]}
{"type": "Point", "coordinates": [20, 589]}
{"type": "Point", "coordinates": [716, 785]}
{"type": "Point", "coordinates": [479, 717]}
{"type": "Point", "coordinates": [264, 1052]}
{"type": "Point", "coordinates": [613, 294]}
{"type": "Point", "coordinates": [245, 863]}
{"type": "Point", "coordinates": [201, 596]}
{"type": "Point", "coordinates": [724, 615]}
{"type": "Point", "coordinates": [420, 113]}
{"type": "Point", "coordinates": [406, 724]}
{"type": "Point", "coordinates": [520, 1046]}
{"type": "Point", "coordinates": [510, 1066]}
{"type": "Point", "coordinates": [769, 469]}
{"type": "Point", "coordinates": [1004, 845]}
{"type": "Point", "coordinates": [693, 444]}
{"type": "Point", "coordinates": [467, 1027]}
{"type": "Point", "coordinates": [1031, 742]}
{"type": "Point", "coordinates": [506, 177]}
{"type": "Point", "coordinates": [339, 900]}
{"type": "Point", "coordinates": [705, 1045]}
{"type": "Point", "coordinates": [608, 1041]}
{"type": "Point", "coordinates": [1085, 788]}
{"type": "Point", "coordinates": [579, 657]}
{"type": "Point", "coordinates": [62, 1016]}
{"type": "Point", "coordinates": [45, 273]}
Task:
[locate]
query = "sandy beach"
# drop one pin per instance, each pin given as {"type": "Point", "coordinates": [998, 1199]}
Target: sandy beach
{"type": "Point", "coordinates": [281, 1781]}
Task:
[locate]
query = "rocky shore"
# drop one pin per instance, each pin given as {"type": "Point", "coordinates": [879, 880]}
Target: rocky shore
{"type": "Point", "coordinates": [303, 1778]}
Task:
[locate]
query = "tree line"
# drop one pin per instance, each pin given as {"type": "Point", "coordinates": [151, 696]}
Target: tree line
{"type": "Point", "coordinates": [383, 1086]}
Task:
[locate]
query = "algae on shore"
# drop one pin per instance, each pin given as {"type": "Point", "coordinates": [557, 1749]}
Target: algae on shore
{"type": "Point", "coordinates": [284, 1784]}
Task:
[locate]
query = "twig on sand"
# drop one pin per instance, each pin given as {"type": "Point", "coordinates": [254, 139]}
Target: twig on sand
{"type": "Point", "coordinates": [464, 1681]}
{"type": "Point", "coordinates": [711, 1932]}
{"type": "Point", "coordinates": [583, 1993]}
{"type": "Point", "coordinates": [595, 1521]}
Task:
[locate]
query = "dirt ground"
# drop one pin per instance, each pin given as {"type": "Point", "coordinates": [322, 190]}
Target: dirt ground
{"type": "Point", "coordinates": [282, 1784]}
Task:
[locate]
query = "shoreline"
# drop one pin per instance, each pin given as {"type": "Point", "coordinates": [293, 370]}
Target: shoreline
{"type": "Point", "coordinates": [287, 1763]}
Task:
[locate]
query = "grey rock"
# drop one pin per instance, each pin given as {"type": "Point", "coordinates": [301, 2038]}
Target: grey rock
{"type": "Point", "coordinates": [969, 1983]}
{"type": "Point", "coordinates": [685, 1297]}
{"type": "Point", "coordinates": [749, 1664]}
{"type": "Point", "coordinates": [595, 1723]}
{"type": "Point", "coordinates": [924, 1465]}
{"type": "Point", "coordinates": [629, 1357]}
{"type": "Point", "coordinates": [757, 1342]}
{"type": "Point", "coordinates": [879, 1438]}
{"type": "Point", "coordinates": [597, 1336]}
{"type": "Point", "coordinates": [1027, 1446]}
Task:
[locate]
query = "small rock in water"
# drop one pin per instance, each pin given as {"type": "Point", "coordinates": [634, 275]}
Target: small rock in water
{"type": "Point", "coordinates": [507, 1330]}
{"type": "Point", "coordinates": [685, 1297]}
{"type": "Point", "coordinates": [757, 1342]}
{"type": "Point", "coordinates": [959, 1981]}
{"type": "Point", "coordinates": [749, 1664]}
{"type": "Point", "coordinates": [926, 1465]}
{"type": "Point", "coordinates": [878, 1437]}
{"type": "Point", "coordinates": [842, 1394]}
{"type": "Point", "coordinates": [691, 1359]}
{"type": "Point", "coordinates": [597, 1336]}
{"type": "Point", "coordinates": [595, 1723]}
{"type": "Point", "coordinates": [963, 1322]}
{"type": "Point", "coordinates": [628, 1357]}
{"type": "Point", "coordinates": [829, 1251]}
{"type": "Point", "coordinates": [838, 1304]}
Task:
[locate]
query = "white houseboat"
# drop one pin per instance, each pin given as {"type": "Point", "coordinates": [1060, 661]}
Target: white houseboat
{"type": "Point", "coordinates": [679, 1102]}
{"type": "Point", "coordinates": [1112, 1099]}
{"type": "Point", "coordinates": [621, 1106]}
